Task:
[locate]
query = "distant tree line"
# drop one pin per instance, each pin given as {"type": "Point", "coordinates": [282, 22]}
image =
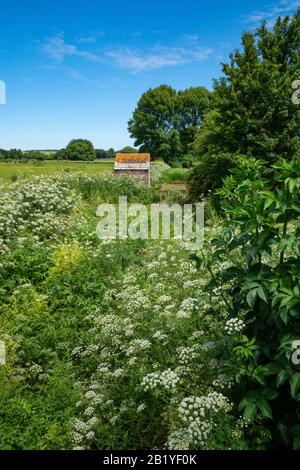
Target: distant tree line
{"type": "Point", "coordinates": [12, 154]}
{"type": "Point", "coordinates": [76, 150]}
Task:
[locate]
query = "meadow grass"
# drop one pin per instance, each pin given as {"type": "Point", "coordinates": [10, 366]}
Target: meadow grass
{"type": "Point", "coordinates": [11, 171]}
{"type": "Point", "coordinates": [175, 175]}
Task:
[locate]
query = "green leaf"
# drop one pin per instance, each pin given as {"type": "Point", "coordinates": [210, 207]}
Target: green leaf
{"type": "Point", "coordinates": [243, 404]}
{"type": "Point", "coordinates": [268, 203]}
{"type": "Point", "coordinates": [270, 394]}
{"type": "Point", "coordinates": [272, 368]}
{"type": "Point", "coordinates": [262, 295]}
{"type": "Point", "coordinates": [251, 297]}
{"type": "Point", "coordinates": [265, 408]}
{"type": "Point", "coordinates": [295, 384]}
{"type": "Point", "coordinates": [291, 182]}
{"type": "Point", "coordinates": [282, 377]}
{"type": "Point", "coordinates": [250, 412]}
{"type": "Point", "coordinates": [284, 316]}
{"type": "Point", "coordinates": [283, 430]}
{"type": "Point", "coordinates": [296, 443]}
{"type": "Point", "coordinates": [251, 396]}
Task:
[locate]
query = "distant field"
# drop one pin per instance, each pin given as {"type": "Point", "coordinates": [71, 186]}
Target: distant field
{"type": "Point", "coordinates": [12, 171]}
{"type": "Point", "coordinates": [9, 171]}
{"type": "Point", "coordinates": [44, 152]}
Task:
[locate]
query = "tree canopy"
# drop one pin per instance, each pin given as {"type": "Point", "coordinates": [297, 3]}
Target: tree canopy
{"type": "Point", "coordinates": [165, 121]}
{"type": "Point", "coordinates": [80, 149]}
{"type": "Point", "coordinates": [128, 149]}
{"type": "Point", "coordinates": [101, 153]}
{"type": "Point", "coordinates": [253, 111]}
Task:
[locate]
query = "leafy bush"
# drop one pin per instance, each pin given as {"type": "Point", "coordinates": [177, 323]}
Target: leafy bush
{"type": "Point", "coordinates": [79, 149]}
{"type": "Point", "coordinates": [209, 173]}
{"type": "Point", "coordinates": [261, 289]}
{"type": "Point", "coordinates": [175, 175]}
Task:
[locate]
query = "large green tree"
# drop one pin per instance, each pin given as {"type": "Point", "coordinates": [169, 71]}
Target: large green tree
{"type": "Point", "coordinates": [165, 121]}
{"type": "Point", "coordinates": [253, 111]}
{"type": "Point", "coordinates": [80, 149]}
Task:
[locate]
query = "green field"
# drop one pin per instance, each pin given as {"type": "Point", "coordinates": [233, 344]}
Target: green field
{"type": "Point", "coordinates": [12, 171]}
{"type": "Point", "coordinates": [9, 171]}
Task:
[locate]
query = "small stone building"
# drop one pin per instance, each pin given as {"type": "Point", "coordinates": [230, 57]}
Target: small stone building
{"type": "Point", "coordinates": [135, 165]}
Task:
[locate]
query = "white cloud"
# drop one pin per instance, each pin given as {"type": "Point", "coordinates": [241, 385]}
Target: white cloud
{"type": "Point", "coordinates": [191, 38]}
{"type": "Point", "coordinates": [57, 49]}
{"type": "Point", "coordinates": [271, 12]}
{"type": "Point", "coordinates": [158, 57]}
{"type": "Point", "coordinates": [131, 59]}
{"type": "Point", "coordinates": [90, 38]}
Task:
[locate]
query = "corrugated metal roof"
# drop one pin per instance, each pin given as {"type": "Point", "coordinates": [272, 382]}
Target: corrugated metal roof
{"type": "Point", "coordinates": [132, 166]}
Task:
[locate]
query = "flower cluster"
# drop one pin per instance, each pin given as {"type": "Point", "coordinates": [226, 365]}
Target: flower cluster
{"type": "Point", "coordinates": [187, 355]}
{"type": "Point", "coordinates": [138, 315]}
{"type": "Point", "coordinates": [186, 308]}
{"type": "Point", "coordinates": [197, 407]}
{"type": "Point", "coordinates": [136, 346]}
{"type": "Point", "coordinates": [234, 325]}
{"type": "Point", "coordinates": [197, 415]}
{"type": "Point", "coordinates": [82, 430]}
{"type": "Point", "coordinates": [167, 379]}
{"type": "Point", "coordinates": [34, 209]}
{"type": "Point", "coordinates": [222, 382]}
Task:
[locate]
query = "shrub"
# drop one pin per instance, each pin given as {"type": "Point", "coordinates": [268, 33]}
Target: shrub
{"type": "Point", "coordinates": [175, 175]}
{"type": "Point", "coordinates": [208, 174]}
{"type": "Point", "coordinates": [261, 288]}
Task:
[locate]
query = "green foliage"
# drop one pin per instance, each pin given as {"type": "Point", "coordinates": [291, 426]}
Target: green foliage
{"type": "Point", "coordinates": [261, 287]}
{"type": "Point", "coordinates": [175, 175]}
{"type": "Point", "coordinates": [106, 342]}
{"type": "Point", "coordinates": [128, 149]}
{"type": "Point", "coordinates": [80, 149]}
{"type": "Point", "coordinates": [12, 154]}
{"type": "Point", "coordinates": [209, 173]}
{"type": "Point", "coordinates": [164, 122]}
{"type": "Point", "coordinates": [61, 154]}
{"type": "Point", "coordinates": [253, 111]}
{"type": "Point", "coordinates": [100, 153]}
{"type": "Point", "coordinates": [109, 189]}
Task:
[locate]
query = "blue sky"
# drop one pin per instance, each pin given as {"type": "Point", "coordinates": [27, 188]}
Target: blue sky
{"type": "Point", "coordinates": [77, 68]}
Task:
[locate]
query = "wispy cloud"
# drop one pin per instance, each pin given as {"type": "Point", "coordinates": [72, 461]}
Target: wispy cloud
{"type": "Point", "coordinates": [57, 49]}
{"type": "Point", "coordinates": [90, 38]}
{"type": "Point", "coordinates": [191, 38]}
{"type": "Point", "coordinates": [157, 58]}
{"type": "Point", "coordinates": [72, 72]}
{"type": "Point", "coordinates": [135, 60]}
{"type": "Point", "coordinates": [271, 12]}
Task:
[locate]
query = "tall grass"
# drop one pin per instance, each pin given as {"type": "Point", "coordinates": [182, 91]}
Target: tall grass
{"type": "Point", "coordinates": [175, 175]}
{"type": "Point", "coordinates": [109, 189]}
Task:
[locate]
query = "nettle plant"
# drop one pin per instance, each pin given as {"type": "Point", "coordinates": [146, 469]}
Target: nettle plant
{"type": "Point", "coordinates": [261, 236]}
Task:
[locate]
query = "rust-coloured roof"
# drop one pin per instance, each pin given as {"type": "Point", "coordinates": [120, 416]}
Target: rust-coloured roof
{"type": "Point", "coordinates": [134, 158]}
